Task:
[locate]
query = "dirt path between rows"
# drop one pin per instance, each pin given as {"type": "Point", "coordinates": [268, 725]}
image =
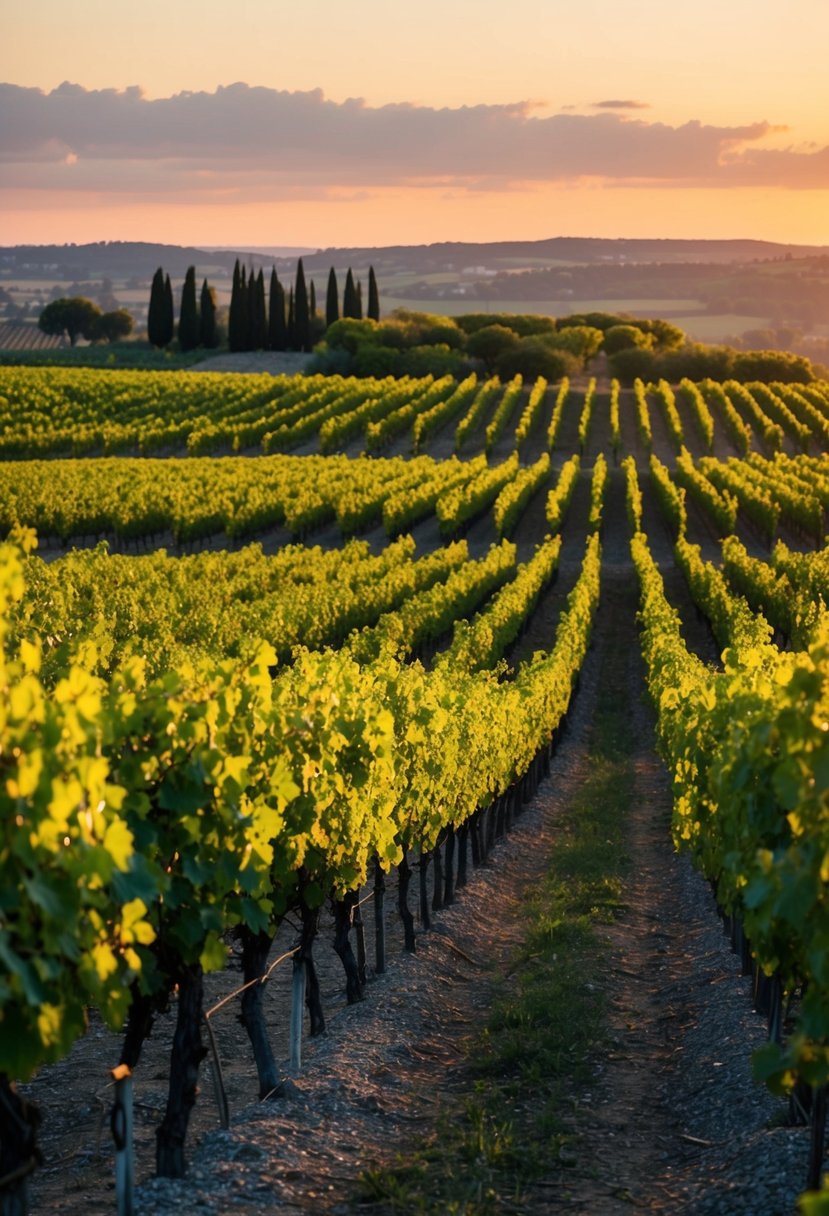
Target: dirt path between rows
{"type": "Point", "coordinates": [674, 1123]}
{"type": "Point", "coordinates": [275, 363]}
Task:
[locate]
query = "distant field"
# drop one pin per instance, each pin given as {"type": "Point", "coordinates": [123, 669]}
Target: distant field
{"type": "Point", "coordinates": [716, 327]}
{"type": "Point", "coordinates": [687, 312]}
{"type": "Point", "coordinates": [136, 299]}
{"type": "Point", "coordinates": [550, 308]}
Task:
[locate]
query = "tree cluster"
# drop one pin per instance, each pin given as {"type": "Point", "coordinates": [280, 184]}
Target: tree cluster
{"type": "Point", "coordinates": [260, 317]}
{"type": "Point", "coordinates": [197, 321]}
{"type": "Point", "coordinates": [413, 343]}
{"type": "Point", "coordinates": [291, 320]}
{"type": "Point", "coordinates": [697, 361]}
{"type": "Point", "coordinates": [78, 317]}
{"type": "Point", "coordinates": [405, 344]}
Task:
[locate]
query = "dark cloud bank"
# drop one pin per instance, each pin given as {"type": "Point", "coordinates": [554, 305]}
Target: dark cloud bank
{"type": "Point", "coordinates": [74, 138]}
{"type": "Point", "coordinates": [627, 104]}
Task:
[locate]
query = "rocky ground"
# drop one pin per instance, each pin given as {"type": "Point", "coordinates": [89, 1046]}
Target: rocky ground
{"type": "Point", "coordinates": [274, 362]}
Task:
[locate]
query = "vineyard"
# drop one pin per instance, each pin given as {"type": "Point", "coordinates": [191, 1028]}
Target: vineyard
{"type": "Point", "coordinates": [278, 649]}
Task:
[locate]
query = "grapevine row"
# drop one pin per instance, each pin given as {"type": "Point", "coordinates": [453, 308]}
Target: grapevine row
{"type": "Point", "coordinates": [250, 793]}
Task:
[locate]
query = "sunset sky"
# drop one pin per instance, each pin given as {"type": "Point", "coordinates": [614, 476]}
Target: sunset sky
{"type": "Point", "coordinates": [371, 122]}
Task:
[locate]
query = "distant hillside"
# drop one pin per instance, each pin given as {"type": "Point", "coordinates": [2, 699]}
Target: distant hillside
{"type": "Point", "coordinates": [136, 259]}
{"type": "Point", "coordinates": [271, 251]}
{"type": "Point", "coordinates": [115, 260]}
{"type": "Point", "coordinates": [712, 289]}
{"type": "Point", "coordinates": [573, 250]}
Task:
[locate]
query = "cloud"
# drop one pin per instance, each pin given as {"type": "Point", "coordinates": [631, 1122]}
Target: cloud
{"type": "Point", "coordinates": [242, 140]}
{"type": "Point", "coordinates": [795, 169]}
{"type": "Point", "coordinates": [620, 105]}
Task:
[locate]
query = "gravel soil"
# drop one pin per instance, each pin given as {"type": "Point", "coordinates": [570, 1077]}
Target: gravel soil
{"type": "Point", "coordinates": [674, 1122]}
{"type": "Point", "coordinates": [275, 363]}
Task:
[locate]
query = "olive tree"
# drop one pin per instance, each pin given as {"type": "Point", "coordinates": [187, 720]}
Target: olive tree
{"type": "Point", "coordinates": [112, 326]}
{"type": "Point", "coordinates": [75, 316]}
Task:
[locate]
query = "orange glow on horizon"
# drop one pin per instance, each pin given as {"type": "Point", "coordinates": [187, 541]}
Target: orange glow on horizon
{"type": "Point", "coordinates": [375, 124]}
{"type": "Point", "coordinates": [400, 216]}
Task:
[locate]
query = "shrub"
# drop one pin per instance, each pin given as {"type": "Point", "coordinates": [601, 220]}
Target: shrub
{"type": "Point", "coordinates": [534, 357]}
{"type": "Point", "coordinates": [490, 342]}
{"type": "Point", "coordinates": [769, 365]}
{"type": "Point", "coordinates": [350, 334]}
{"type": "Point", "coordinates": [437, 361]}
{"type": "Point", "coordinates": [525, 325]}
{"type": "Point", "coordinates": [596, 320]}
{"type": "Point", "coordinates": [626, 337]}
{"type": "Point", "coordinates": [377, 361]}
{"type": "Point", "coordinates": [423, 329]}
{"type": "Point", "coordinates": [328, 361]}
{"type": "Point", "coordinates": [632, 363]}
{"type": "Point", "coordinates": [696, 361]}
{"type": "Point", "coordinates": [583, 341]}
{"type": "Point", "coordinates": [667, 336]}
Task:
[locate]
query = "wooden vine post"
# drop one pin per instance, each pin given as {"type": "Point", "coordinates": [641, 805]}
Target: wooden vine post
{"type": "Point", "coordinates": [379, 918]}
{"type": "Point", "coordinates": [121, 1123]}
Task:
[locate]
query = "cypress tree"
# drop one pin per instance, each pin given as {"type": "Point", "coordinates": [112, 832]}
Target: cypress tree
{"type": "Point", "coordinates": [250, 342]}
{"type": "Point", "coordinates": [188, 322]}
{"type": "Point", "coordinates": [349, 296]}
{"type": "Point", "coordinates": [155, 315]}
{"type": "Point", "coordinates": [359, 301]}
{"type": "Point", "coordinates": [312, 298]}
{"type": "Point", "coordinates": [260, 314]}
{"type": "Point", "coordinates": [277, 333]}
{"type": "Point", "coordinates": [208, 338]}
{"type": "Point", "coordinates": [257, 319]}
{"type": "Point", "coordinates": [282, 321]}
{"type": "Point", "coordinates": [332, 300]}
{"type": "Point", "coordinates": [168, 315]}
{"type": "Point", "coordinates": [373, 296]}
{"type": "Point", "coordinates": [234, 321]}
{"type": "Point", "coordinates": [291, 337]}
{"type": "Point", "coordinates": [244, 312]}
{"type": "Point", "coordinates": [302, 325]}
